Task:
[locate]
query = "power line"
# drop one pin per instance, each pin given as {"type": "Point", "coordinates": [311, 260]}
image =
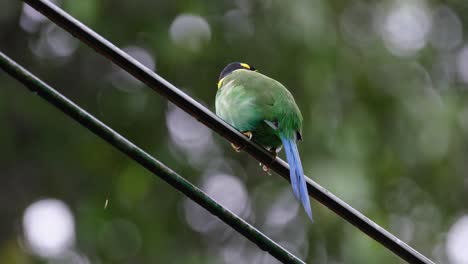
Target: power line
{"type": "Point", "coordinates": [144, 159]}
{"type": "Point", "coordinates": [205, 116]}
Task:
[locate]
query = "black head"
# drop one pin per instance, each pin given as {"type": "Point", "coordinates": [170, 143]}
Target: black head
{"type": "Point", "coordinates": [234, 66]}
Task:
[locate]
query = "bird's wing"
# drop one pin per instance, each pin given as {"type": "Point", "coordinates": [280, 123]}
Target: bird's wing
{"type": "Point", "coordinates": [238, 106]}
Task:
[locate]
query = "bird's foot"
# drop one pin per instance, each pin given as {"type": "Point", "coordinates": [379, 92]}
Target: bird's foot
{"type": "Point", "coordinates": [248, 134]}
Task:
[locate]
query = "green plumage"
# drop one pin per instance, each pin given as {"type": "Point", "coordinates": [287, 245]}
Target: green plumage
{"type": "Point", "coordinates": [254, 103]}
{"type": "Point", "coordinates": [246, 99]}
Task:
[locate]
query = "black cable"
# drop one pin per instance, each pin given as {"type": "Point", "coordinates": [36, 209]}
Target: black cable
{"type": "Point", "coordinates": [134, 152]}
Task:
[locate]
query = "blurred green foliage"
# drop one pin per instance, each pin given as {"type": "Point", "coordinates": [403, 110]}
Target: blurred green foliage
{"type": "Point", "coordinates": [382, 88]}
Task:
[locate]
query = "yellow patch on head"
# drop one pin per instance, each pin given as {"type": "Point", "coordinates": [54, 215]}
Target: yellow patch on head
{"type": "Point", "coordinates": [245, 65]}
{"type": "Point", "coordinates": [220, 83]}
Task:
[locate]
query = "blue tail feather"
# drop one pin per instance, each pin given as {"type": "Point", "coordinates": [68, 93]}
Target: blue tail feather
{"type": "Point", "coordinates": [297, 174]}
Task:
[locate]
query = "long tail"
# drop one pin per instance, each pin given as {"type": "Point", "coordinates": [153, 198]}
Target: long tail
{"type": "Point", "coordinates": [297, 174]}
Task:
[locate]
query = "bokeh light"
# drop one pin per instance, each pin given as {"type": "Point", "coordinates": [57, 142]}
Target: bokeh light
{"type": "Point", "coordinates": [192, 138]}
{"type": "Point", "coordinates": [227, 190]}
{"type": "Point", "coordinates": [190, 31]}
{"type": "Point", "coordinates": [54, 43]}
{"type": "Point", "coordinates": [71, 257]}
{"type": "Point", "coordinates": [457, 240]}
{"type": "Point", "coordinates": [31, 19]}
{"type": "Point", "coordinates": [123, 80]}
{"type": "Point", "coordinates": [49, 227]}
{"type": "Point", "coordinates": [406, 27]}
{"type": "Point", "coordinates": [447, 31]}
{"type": "Point", "coordinates": [462, 64]}
{"type": "Point", "coordinates": [283, 210]}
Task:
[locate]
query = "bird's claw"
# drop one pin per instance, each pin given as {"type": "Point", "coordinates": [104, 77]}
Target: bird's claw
{"type": "Point", "coordinates": [248, 134]}
{"type": "Point", "coordinates": [237, 148]}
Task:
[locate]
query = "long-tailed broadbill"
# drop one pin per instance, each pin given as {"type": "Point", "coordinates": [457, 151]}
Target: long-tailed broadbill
{"type": "Point", "coordinates": [265, 111]}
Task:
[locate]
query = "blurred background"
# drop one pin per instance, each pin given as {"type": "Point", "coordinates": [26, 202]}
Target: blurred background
{"type": "Point", "coordinates": [382, 87]}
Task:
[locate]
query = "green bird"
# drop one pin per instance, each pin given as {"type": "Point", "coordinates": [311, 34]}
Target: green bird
{"type": "Point", "coordinates": [265, 111]}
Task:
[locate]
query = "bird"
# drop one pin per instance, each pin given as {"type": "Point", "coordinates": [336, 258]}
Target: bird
{"type": "Point", "coordinates": [264, 111]}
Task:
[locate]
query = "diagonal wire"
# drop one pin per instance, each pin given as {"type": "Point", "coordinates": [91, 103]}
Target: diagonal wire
{"type": "Point", "coordinates": [201, 113]}
{"type": "Point", "coordinates": [134, 152]}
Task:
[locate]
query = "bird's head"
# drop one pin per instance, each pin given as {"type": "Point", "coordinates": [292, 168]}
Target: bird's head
{"type": "Point", "coordinates": [232, 67]}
